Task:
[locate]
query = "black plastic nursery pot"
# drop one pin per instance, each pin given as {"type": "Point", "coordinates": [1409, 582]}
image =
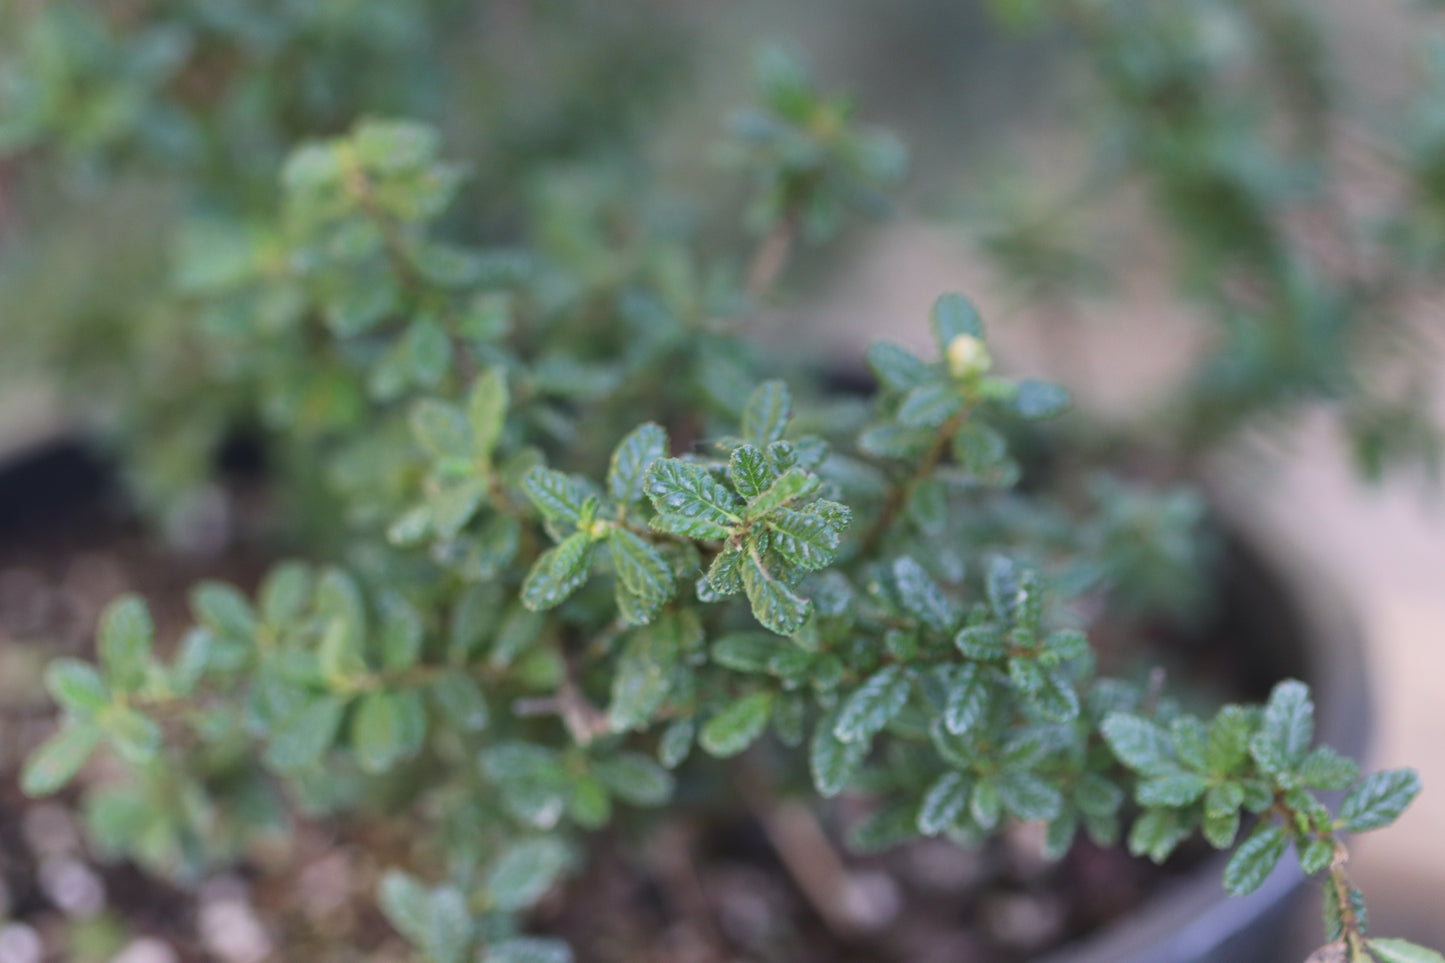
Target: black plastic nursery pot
{"type": "Point", "coordinates": [1276, 614]}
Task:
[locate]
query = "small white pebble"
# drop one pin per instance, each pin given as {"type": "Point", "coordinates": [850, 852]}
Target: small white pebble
{"type": "Point", "coordinates": [50, 830]}
{"type": "Point", "coordinates": [221, 888]}
{"type": "Point", "coordinates": [1022, 921]}
{"type": "Point", "coordinates": [20, 944]}
{"type": "Point", "coordinates": [26, 601]}
{"type": "Point", "coordinates": [230, 929]}
{"type": "Point", "coordinates": [200, 523]}
{"type": "Point", "coordinates": [72, 886]}
{"type": "Point", "coordinates": [147, 950]}
{"type": "Point", "coordinates": [872, 900]}
{"type": "Point", "coordinates": [325, 885]}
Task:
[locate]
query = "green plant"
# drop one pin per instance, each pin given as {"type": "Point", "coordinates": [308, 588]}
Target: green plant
{"type": "Point", "coordinates": [573, 539]}
{"type": "Point", "coordinates": [1296, 211]}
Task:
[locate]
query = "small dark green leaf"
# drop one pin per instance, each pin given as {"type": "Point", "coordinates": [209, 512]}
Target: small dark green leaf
{"type": "Point", "coordinates": [945, 800]}
{"type": "Point", "coordinates": [1229, 736]}
{"type": "Point", "coordinates": [1001, 584]}
{"type": "Point", "coordinates": [724, 576]}
{"type": "Point", "coordinates": [750, 472]}
{"type": "Point", "coordinates": [1097, 796]}
{"type": "Point", "coordinates": [873, 704]}
{"type": "Point", "coordinates": [968, 700]}
{"type": "Point", "coordinates": [453, 505]}
{"type": "Point", "coordinates": [807, 540]}
{"type": "Point", "coordinates": [635, 454]}
{"type": "Point", "coordinates": [487, 412]}
{"type": "Point", "coordinates": [930, 405]}
{"type": "Point", "coordinates": [1056, 699]}
{"type": "Point", "coordinates": [773, 603]}
{"type": "Point", "coordinates": [558, 572]}
{"type": "Point", "coordinates": [400, 634]}
{"type": "Point", "coordinates": [449, 926]}
{"type": "Point", "coordinates": [430, 351]}
{"type": "Point", "coordinates": [982, 642]}
{"type": "Point", "coordinates": [224, 610]}
{"type": "Point", "coordinates": [342, 654]}
{"type": "Point", "coordinates": [921, 596]}
{"type": "Point", "coordinates": [76, 686]}
{"type": "Point", "coordinates": [1037, 400]}
{"type": "Point", "coordinates": [1191, 742]}
{"type": "Point", "coordinates": [642, 570]}
{"type": "Point", "coordinates": [985, 804]}
{"type": "Point", "coordinates": [285, 592]}
{"type": "Point", "coordinates": [767, 413]}
{"type": "Point", "coordinates": [928, 506]}
{"type": "Point", "coordinates": [135, 736]}
{"type": "Point", "coordinates": [792, 486]}
{"type": "Point", "coordinates": [738, 726]}
{"type": "Point", "coordinates": [892, 440]}
{"type": "Point", "coordinates": [300, 740]}
{"type": "Point", "coordinates": [676, 743]}
{"type": "Point", "coordinates": [384, 730]}
{"type": "Point", "coordinates": [1224, 798]}
{"type": "Point", "coordinates": [688, 527]}
{"type": "Point", "coordinates": [983, 453]}
{"type": "Point", "coordinates": [681, 488]}
{"type": "Point", "coordinates": [519, 629]}
{"type": "Point", "coordinates": [406, 904]}
{"type": "Point", "coordinates": [1173, 789]}
{"type": "Point", "coordinates": [462, 701]}
{"type": "Point", "coordinates": [525, 871]}
{"type": "Point", "coordinates": [831, 760]}
{"type": "Point", "coordinates": [197, 654]}
{"type": "Point", "coordinates": [636, 778]}
{"type": "Point", "coordinates": [745, 651]}
{"type": "Point", "coordinates": [1326, 769]}
{"type": "Point", "coordinates": [897, 369]}
{"type": "Point", "coordinates": [361, 304]}
{"type": "Point", "coordinates": [557, 496]}
{"type": "Point", "coordinates": [441, 429]}
{"type": "Point", "coordinates": [1254, 859]}
{"type": "Point", "coordinates": [1379, 799]}
{"type": "Point", "coordinates": [1157, 833]}
{"type": "Point", "coordinates": [59, 758]}
{"type": "Point", "coordinates": [126, 634]}
{"type": "Point", "coordinates": [1139, 743]}
{"type": "Point", "coordinates": [954, 315]}
{"type": "Point", "coordinates": [1028, 796]}
{"type": "Point", "coordinates": [1403, 951]}
{"type": "Point", "coordinates": [1221, 828]}
{"type": "Point", "coordinates": [338, 596]}
{"type": "Point", "coordinates": [1315, 856]}
{"type": "Point", "coordinates": [645, 670]}
{"type": "Point", "coordinates": [1287, 728]}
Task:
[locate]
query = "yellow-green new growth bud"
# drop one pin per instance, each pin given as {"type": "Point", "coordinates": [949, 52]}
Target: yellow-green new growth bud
{"type": "Point", "coordinates": [967, 357]}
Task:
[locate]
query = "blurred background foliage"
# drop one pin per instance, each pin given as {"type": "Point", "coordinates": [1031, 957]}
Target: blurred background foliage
{"type": "Point", "coordinates": [1296, 220]}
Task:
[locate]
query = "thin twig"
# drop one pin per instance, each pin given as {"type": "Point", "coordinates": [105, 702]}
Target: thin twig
{"type": "Point", "coordinates": [809, 857]}
{"type": "Point", "coordinates": [899, 494]}
{"type": "Point", "coordinates": [772, 255]}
